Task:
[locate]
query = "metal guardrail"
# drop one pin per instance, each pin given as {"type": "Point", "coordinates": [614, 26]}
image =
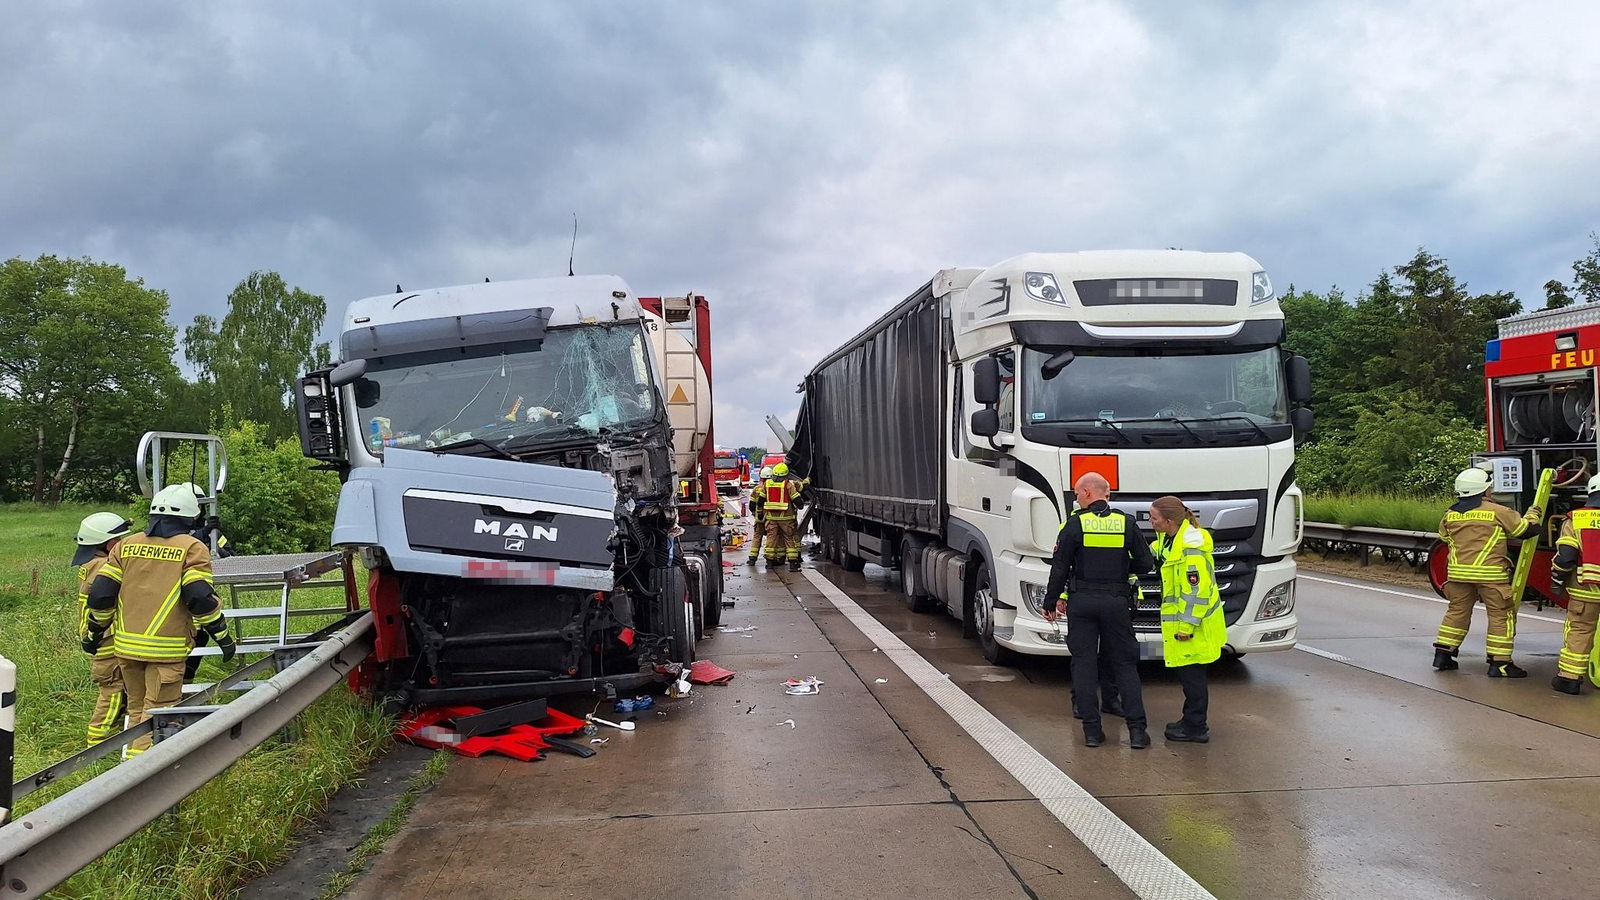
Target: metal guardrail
{"type": "Point", "coordinates": [48, 845]}
{"type": "Point", "coordinates": [1411, 546]}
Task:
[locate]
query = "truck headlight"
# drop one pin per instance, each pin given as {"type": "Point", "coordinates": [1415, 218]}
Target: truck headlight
{"type": "Point", "coordinates": [1260, 288]}
{"type": "Point", "coordinates": [1033, 595]}
{"type": "Point", "coordinates": [1042, 286]}
{"type": "Point", "coordinates": [1278, 602]}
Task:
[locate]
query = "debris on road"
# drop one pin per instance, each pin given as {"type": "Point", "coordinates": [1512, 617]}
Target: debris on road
{"type": "Point", "coordinates": [704, 671]}
{"type": "Point", "coordinates": [802, 686]}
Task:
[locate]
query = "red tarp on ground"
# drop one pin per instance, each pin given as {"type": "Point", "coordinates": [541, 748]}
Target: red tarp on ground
{"type": "Point", "coordinates": [524, 742]}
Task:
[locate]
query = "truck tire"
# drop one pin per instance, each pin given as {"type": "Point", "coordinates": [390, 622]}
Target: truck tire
{"type": "Point", "coordinates": [916, 593]}
{"type": "Point", "coordinates": [678, 613]}
{"type": "Point", "coordinates": [851, 563]}
{"type": "Point", "coordinates": [711, 614]}
{"type": "Point", "coordinates": [983, 618]}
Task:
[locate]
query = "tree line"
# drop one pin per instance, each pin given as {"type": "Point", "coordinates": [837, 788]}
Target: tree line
{"type": "Point", "coordinates": [88, 365]}
{"type": "Point", "coordinates": [1397, 373]}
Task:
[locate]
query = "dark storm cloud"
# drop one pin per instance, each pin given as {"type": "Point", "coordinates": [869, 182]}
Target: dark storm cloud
{"type": "Point", "coordinates": [803, 164]}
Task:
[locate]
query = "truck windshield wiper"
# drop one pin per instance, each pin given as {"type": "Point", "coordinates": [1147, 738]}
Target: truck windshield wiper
{"type": "Point", "coordinates": [1248, 421]}
{"type": "Point", "coordinates": [476, 442]}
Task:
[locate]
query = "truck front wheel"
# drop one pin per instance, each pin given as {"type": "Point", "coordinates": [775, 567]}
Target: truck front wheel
{"type": "Point", "coordinates": [677, 611]}
{"type": "Point", "coordinates": [983, 618]}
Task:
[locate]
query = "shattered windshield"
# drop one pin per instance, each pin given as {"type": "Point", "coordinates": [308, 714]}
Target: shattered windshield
{"type": "Point", "coordinates": [1156, 396]}
{"type": "Point", "coordinates": [578, 381]}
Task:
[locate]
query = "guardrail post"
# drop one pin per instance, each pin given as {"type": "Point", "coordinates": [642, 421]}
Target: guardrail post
{"type": "Point", "coordinates": [8, 734]}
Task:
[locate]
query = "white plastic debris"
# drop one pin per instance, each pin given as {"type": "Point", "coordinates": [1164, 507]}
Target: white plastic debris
{"type": "Point", "coordinates": [735, 629]}
{"type": "Point", "coordinates": [802, 686]}
{"type": "Point", "coordinates": [881, 681]}
{"type": "Point", "coordinates": [788, 722]}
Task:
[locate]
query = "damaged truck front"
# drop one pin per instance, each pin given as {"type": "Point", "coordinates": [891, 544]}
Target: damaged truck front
{"type": "Point", "coordinates": [508, 482]}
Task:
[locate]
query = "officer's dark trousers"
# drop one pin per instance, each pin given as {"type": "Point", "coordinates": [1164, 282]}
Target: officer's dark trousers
{"type": "Point", "coordinates": [1195, 697]}
{"type": "Point", "coordinates": [1099, 623]}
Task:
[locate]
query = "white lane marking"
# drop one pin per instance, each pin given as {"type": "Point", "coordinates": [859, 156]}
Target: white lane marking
{"type": "Point", "coordinates": [1410, 596]}
{"type": "Point", "coordinates": [1143, 868]}
{"type": "Point", "coordinates": [1322, 653]}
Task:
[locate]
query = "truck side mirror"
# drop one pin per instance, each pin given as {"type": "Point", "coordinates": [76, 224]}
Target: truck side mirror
{"type": "Point", "coordinates": [346, 372]}
{"type": "Point", "coordinates": [986, 422]}
{"type": "Point", "coordinates": [1298, 372]}
{"type": "Point", "coordinates": [320, 425]}
{"type": "Point", "coordinates": [1301, 418]}
{"type": "Point", "coordinates": [986, 381]}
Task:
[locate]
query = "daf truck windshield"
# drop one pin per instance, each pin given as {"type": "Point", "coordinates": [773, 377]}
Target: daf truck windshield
{"type": "Point", "coordinates": [1155, 398]}
{"type": "Point", "coordinates": [578, 381]}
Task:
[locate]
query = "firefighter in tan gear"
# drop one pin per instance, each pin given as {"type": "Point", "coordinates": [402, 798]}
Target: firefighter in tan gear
{"type": "Point", "coordinates": [778, 495]}
{"type": "Point", "coordinates": [1476, 530]}
{"type": "Point", "coordinates": [1578, 552]}
{"type": "Point", "coordinates": [98, 536]}
{"type": "Point", "coordinates": [152, 593]}
{"type": "Point", "coordinates": [758, 509]}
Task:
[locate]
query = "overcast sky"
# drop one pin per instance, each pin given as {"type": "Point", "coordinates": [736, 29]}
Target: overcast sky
{"type": "Point", "coordinates": [803, 164]}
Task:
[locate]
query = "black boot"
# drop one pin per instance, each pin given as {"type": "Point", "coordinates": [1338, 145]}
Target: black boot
{"type": "Point", "coordinates": [1506, 669]}
{"type": "Point", "coordinates": [794, 565]}
{"type": "Point", "coordinates": [1093, 738]}
{"type": "Point", "coordinates": [1176, 732]}
{"type": "Point", "coordinates": [1112, 707]}
{"type": "Point", "coordinates": [1444, 659]}
{"type": "Point", "coordinates": [1138, 738]}
{"type": "Point", "coordinates": [1566, 685]}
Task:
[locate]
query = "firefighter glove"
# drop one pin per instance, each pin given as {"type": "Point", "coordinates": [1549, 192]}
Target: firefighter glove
{"type": "Point", "coordinates": [91, 641]}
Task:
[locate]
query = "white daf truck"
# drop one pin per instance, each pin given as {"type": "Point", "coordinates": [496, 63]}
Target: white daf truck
{"type": "Point", "coordinates": [944, 439]}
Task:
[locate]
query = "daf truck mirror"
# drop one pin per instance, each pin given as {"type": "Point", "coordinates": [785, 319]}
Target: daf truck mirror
{"type": "Point", "coordinates": [346, 372]}
{"type": "Point", "coordinates": [1053, 366]}
{"type": "Point", "coordinates": [1301, 418]}
{"type": "Point", "coordinates": [986, 381]}
{"type": "Point", "coordinates": [1298, 372]}
{"type": "Point", "coordinates": [986, 422]}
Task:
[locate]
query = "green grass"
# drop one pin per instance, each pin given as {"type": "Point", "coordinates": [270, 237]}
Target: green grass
{"type": "Point", "coordinates": [234, 828]}
{"type": "Point", "coordinates": [1377, 511]}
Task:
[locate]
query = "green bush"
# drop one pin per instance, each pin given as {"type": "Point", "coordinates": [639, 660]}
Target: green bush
{"type": "Point", "coordinates": [274, 502]}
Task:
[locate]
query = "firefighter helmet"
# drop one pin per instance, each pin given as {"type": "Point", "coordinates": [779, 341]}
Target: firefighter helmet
{"type": "Point", "coordinates": [781, 470]}
{"type": "Point", "coordinates": [1472, 482]}
{"type": "Point", "coordinates": [175, 500]}
{"type": "Point", "coordinates": [766, 472]}
{"type": "Point", "coordinates": [100, 527]}
{"type": "Point", "coordinates": [1593, 487]}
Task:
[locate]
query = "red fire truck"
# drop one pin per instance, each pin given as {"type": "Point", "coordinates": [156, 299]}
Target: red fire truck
{"type": "Point", "coordinates": [732, 472]}
{"type": "Point", "coordinates": [1540, 382]}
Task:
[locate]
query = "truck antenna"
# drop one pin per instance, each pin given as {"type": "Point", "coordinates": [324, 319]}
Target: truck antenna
{"type": "Point", "coordinates": [574, 251]}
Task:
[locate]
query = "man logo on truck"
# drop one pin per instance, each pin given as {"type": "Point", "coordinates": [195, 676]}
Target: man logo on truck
{"type": "Point", "coordinates": [514, 530]}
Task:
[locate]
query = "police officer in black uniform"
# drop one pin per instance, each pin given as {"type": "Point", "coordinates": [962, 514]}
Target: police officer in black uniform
{"type": "Point", "coordinates": [1097, 552]}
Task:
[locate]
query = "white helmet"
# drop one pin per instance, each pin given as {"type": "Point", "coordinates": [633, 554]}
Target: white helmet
{"type": "Point", "coordinates": [175, 500]}
{"type": "Point", "coordinates": [1593, 487]}
{"type": "Point", "coordinates": [97, 529]}
{"type": "Point", "coordinates": [1472, 482]}
{"type": "Point", "coordinates": [766, 472]}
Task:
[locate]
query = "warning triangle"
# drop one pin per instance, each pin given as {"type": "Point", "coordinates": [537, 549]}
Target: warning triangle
{"type": "Point", "coordinates": [678, 396]}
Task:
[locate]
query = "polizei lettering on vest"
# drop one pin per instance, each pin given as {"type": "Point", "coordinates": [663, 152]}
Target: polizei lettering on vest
{"type": "Point", "coordinates": [515, 529]}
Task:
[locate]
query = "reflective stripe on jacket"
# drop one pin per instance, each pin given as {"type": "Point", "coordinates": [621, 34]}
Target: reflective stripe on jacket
{"type": "Point", "coordinates": [778, 498]}
{"type": "Point", "coordinates": [86, 574]}
{"type": "Point", "coordinates": [1190, 603]}
{"type": "Point", "coordinates": [1578, 549]}
{"type": "Point", "coordinates": [151, 623]}
{"type": "Point", "coordinates": [1477, 537]}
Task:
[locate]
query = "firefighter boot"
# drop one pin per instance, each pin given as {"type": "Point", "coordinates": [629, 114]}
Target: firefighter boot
{"type": "Point", "coordinates": [1566, 685]}
{"type": "Point", "coordinates": [1444, 658]}
{"type": "Point", "coordinates": [1505, 668]}
{"type": "Point", "coordinates": [794, 565]}
{"type": "Point", "coordinates": [1138, 738]}
{"type": "Point", "coordinates": [751, 561]}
